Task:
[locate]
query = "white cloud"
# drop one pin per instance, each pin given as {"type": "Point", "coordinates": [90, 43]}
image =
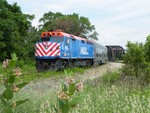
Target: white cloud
{"type": "Point", "coordinates": [118, 35]}
{"type": "Point", "coordinates": [117, 21]}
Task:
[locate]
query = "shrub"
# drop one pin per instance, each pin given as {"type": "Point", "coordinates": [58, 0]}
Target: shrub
{"type": "Point", "coordinates": [136, 63]}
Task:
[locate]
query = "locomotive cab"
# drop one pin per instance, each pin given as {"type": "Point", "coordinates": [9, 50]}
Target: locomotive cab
{"type": "Point", "coordinates": [49, 46]}
{"type": "Point", "coordinates": [48, 51]}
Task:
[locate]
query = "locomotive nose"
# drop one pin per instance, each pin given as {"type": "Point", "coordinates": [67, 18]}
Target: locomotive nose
{"type": "Point", "coordinates": [47, 49]}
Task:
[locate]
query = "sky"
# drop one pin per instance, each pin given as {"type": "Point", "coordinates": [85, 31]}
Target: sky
{"type": "Point", "coordinates": [116, 21]}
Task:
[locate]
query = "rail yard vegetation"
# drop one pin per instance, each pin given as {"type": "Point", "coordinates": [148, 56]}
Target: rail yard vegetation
{"type": "Point", "coordinates": [28, 91]}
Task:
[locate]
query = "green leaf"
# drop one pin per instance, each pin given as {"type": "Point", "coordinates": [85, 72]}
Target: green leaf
{"type": "Point", "coordinates": [63, 86]}
{"type": "Point", "coordinates": [22, 85]}
{"type": "Point", "coordinates": [12, 63]}
{"type": "Point", "coordinates": [64, 105]}
{"type": "Point", "coordinates": [21, 102]}
{"type": "Point", "coordinates": [72, 88]}
{"type": "Point", "coordinates": [11, 79]}
{"type": "Point", "coordinates": [8, 94]}
{"type": "Point", "coordinates": [61, 103]}
{"type": "Point", "coordinates": [76, 100]}
{"type": "Point", "coordinates": [7, 110]}
{"type": "Point", "coordinates": [14, 56]}
{"type": "Point", "coordinates": [3, 100]}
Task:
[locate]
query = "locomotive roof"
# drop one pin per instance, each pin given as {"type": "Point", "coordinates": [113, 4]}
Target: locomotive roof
{"type": "Point", "coordinates": [60, 33]}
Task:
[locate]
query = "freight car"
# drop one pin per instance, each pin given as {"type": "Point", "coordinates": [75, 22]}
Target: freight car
{"type": "Point", "coordinates": [57, 50]}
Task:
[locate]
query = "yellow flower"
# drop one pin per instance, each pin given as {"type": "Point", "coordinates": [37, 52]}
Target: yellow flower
{"type": "Point", "coordinates": [17, 71]}
{"type": "Point", "coordinates": [79, 86]}
{"type": "Point", "coordinates": [5, 63]}
{"type": "Point", "coordinates": [62, 95]}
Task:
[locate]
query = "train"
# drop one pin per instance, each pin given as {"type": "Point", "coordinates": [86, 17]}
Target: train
{"type": "Point", "coordinates": [57, 50]}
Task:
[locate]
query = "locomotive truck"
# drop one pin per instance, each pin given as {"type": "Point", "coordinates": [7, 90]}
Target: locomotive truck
{"type": "Point", "coordinates": [57, 50]}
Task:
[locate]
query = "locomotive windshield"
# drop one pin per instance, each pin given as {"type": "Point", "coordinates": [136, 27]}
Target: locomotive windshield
{"type": "Point", "coordinates": [52, 39]}
{"type": "Point", "coordinates": [44, 39]}
{"type": "Point", "coordinates": [57, 39]}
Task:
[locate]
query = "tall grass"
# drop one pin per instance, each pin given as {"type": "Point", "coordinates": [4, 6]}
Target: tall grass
{"type": "Point", "coordinates": [107, 94]}
{"type": "Point", "coordinates": [107, 97]}
{"type": "Point", "coordinates": [103, 96]}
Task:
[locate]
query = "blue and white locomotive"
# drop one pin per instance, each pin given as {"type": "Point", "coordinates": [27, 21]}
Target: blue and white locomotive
{"type": "Point", "coordinates": [57, 50]}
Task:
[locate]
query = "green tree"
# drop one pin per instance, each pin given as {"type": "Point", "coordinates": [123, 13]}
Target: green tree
{"type": "Point", "coordinates": [48, 20]}
{"type": "Point", "coordinates": [29, 44]}
{"type": "Point", "coordinates": [13, 29]}
{"type": "Point", "coordinates": [68, 24]}
{"type": "Point", "coordinates": [71, 23]}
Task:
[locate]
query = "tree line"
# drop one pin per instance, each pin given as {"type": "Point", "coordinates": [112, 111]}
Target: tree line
{"type": "Point", "coordinates": [17, 35]}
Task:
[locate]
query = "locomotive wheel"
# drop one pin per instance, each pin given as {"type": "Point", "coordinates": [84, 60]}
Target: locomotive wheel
{"type": "Point", "coordinates": [94, 64]}
{"type": "Point", "coordinates": [56, 66]}
{"type": "Point", "coordinates": [39, 66]}
{"type": "Point", "coordinates": [89, 63]}
{"type": "Point", "coordinates": [71, 64]}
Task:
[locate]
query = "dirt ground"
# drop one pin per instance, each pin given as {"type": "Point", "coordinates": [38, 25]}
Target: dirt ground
{"type": "Point", "coordinates": [100, 70]}
{"type": "Point", "coordinates": [53, 82]}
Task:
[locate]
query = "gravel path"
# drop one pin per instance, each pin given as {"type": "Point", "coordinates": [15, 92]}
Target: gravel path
{"type": "Point", "coordinates": [100, 70]}
{"type": "Point", "coordinates": [41, 86]}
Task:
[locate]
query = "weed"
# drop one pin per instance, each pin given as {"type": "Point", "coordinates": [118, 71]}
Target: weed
{"type": "Point", "coordinates": [11, 73]}
{"type": "Point", "coordinates": [67, 97]}
{"type": "Point", "coordinates": [110, 77]}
